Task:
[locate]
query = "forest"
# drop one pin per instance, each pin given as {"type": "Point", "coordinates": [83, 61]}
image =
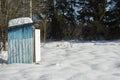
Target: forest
{"type": "Point", "coordinates": [65, 19]}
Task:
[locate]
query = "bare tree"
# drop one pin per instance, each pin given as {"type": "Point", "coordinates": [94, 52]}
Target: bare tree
{"type": "Point", "coordinates": [10, 9]}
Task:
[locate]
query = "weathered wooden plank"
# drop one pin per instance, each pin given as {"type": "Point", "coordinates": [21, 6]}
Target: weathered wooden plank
{"type": "Point", "coordinates": [31, 51]}
{"type": "Point", "coordinates": [13, 55]}
{"type": "Point", "coordinates": [12, 52]}
{"type": "Point", "coordinates": [9, 51]}
{"type": "Point", "coordinates": [23, 42]}
{"type": "Point", "coordinates": [17, 52]}
{"type": "Point", "coordinates": [9, 48]}
{"type": "Point", "coordinates": [26, 51]}
{"type": "Point", "coordinates": [20, 48]}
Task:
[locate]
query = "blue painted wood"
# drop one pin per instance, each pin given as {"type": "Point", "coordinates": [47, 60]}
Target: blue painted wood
{"type": "Point", "coordinates": [20, 44]}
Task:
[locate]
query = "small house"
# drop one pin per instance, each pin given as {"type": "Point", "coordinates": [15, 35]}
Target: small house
{"type": "Point", "coordinates": [23, 41]}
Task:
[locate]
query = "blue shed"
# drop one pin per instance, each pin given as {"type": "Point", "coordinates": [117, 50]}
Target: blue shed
{"type": "Point", "coordinates": [22, 40]}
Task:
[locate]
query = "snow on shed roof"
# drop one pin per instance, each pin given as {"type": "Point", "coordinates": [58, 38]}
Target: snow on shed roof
{"type": "Point", "coordinates": [19, 21]}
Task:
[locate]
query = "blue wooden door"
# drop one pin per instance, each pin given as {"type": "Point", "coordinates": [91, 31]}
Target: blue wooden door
{"type": "Point", "coordinates": [20, 44]}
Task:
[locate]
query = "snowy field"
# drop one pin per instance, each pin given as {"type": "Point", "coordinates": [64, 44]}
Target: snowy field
{"type": "Point", "coordinates": [62, 61]}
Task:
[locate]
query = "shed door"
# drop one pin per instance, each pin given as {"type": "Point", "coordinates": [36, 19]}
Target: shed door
{"type": "Point", "coordinates": [20, 44]}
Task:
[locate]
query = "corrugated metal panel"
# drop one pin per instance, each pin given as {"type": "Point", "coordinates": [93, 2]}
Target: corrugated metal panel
{"type": "Point", "coordinates": [20, 44]}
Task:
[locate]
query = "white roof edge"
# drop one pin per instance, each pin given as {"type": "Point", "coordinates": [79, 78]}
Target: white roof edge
{"type": "Point", "coordinates": [20, 21]}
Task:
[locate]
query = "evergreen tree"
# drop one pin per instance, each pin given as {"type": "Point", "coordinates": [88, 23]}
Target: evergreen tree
{"type": "Point", "coordinates": [92, 12]}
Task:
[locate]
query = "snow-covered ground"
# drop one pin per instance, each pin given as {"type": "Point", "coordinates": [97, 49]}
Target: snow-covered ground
{"type": "Point", "coordinates": [3, 57]}
{"type": "Point", "coordinates": [62, 61]}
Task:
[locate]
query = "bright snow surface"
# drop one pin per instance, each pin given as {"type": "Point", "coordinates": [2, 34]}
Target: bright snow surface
{"type": "Point", "coordinates": [20, 21]}
{"type": "Point", "coordinates": [61, 61]}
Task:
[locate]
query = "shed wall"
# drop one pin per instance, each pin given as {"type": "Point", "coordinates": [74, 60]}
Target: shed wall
{"type": "Point", "coordinates": [20, 44]}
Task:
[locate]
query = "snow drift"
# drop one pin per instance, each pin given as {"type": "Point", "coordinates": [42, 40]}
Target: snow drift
{"type": "Point", "coordinates": [60, 61]}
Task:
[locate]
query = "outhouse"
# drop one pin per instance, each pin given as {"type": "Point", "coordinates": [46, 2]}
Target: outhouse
{"type": "Point", "coordinates": [23, 41]}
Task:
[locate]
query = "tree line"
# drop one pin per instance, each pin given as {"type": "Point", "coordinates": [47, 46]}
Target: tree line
{"type": "Point", "coordinates": [66, 19]}
{"type": "Point", "coordinates": [82, 19]}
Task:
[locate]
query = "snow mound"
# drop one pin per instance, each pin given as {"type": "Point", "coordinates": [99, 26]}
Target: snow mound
{"type": "Point", "coordinates": [20, 21]}
{"type": "Point", "coordinates": [60, 61]}
{"type": "Point", "coordinates": [3, 57]}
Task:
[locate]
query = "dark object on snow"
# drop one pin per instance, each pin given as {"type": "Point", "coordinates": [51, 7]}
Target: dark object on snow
{"type": "Point", "coordinates": [2, 61]}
